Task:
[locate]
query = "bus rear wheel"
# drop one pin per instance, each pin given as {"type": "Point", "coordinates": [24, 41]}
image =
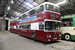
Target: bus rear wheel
{"type": "Point", "coordinates": [33, 36]}
{"type": "Point", "coordinates": [67, 37]}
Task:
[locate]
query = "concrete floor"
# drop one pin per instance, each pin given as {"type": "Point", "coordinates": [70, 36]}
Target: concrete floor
{"type": "Point", "coordinates": [11, 41]}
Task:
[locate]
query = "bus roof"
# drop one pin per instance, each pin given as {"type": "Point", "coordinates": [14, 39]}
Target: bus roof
{"type": "Point", "coordinates": [40, 5]}
{"type": "Point", "coordinates": [67, 17]}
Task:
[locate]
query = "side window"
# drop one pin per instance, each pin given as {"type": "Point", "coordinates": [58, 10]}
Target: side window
{"type": "Point", "coordinates": [20, 17]}
{"type": "Point", "coordinates": [21, 27]}
{"type": "Point", "coordinates": [32, 12]}
{"type": "Point", "coordinates": [41, 26]}
{"type": "Point", "coordinates": [27, 26]}
{"type": "Point", "coordinates": [67, 22]}
{"type": "Point", "coordinates": [24, 16]}
{"type": "Point", "coordinates": [40, 9]}
{"type": "Point", "coordinates": [16, 27]}
{"type": "Point", "coordinates": [49, 7]}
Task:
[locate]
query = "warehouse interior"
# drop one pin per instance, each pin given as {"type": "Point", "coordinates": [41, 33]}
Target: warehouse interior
{"type": "Point", "coordinates": [12, 10]}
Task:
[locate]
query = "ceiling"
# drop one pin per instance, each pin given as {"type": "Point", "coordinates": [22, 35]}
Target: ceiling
{"type": "Point", "coordinates": [3, 4]}
{"type": "Point", "coordinates": [19, 6]}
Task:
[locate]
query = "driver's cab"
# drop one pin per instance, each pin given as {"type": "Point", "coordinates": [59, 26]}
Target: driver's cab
{"type": "Point", "coordinates": [51, 25]}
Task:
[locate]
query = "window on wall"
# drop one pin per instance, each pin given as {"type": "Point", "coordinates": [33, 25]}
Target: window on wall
{"type": "Point", "coordinates": [41, 25]}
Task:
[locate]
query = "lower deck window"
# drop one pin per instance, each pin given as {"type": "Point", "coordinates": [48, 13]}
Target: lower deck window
{"type": "Point", "coordinates": [41, 25]}
{"type": "Point", "coordinates": [26, 26]}
{"type": "Point", "coordinates": [52, 26]}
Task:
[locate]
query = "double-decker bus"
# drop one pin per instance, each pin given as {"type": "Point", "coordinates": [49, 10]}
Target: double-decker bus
{"type": "Point", "coordinates": [68, 27]}
{"type": "Point", "coordinates": [14, 26]}
{"type": "Point", "coordinates": [41, 23]}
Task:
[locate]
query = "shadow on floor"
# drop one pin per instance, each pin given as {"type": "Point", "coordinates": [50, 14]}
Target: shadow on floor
{"type": "Point", "coordinates": [44, 43]}
{"type": "Point", "coordinates": [1, 46]}
{"type": "Point", "coordinates": [68, 40]}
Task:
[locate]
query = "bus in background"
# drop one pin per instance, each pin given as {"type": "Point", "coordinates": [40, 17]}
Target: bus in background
{"type": "Point", "coordinates": [41, 23]}
{"type": "Point", "coordinates": [14, 26]}
{"type": "Point", "coordinates": [68, 27]}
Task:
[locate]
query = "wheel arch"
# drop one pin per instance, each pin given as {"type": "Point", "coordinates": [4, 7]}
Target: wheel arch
{"type": "Point", "coordinates": [67, 34]}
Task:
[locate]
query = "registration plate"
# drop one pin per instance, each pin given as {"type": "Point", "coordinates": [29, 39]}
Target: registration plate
{"type": "Point", "coordinates": [54, 38]}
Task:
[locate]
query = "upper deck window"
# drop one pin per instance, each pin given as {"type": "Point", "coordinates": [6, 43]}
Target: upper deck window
{"type": "Point", "coordinates": [32, 12]}
{"type": "Point", "coordinates": [40, 9]}
{"type": "Point", "coordinates": [52, 8]}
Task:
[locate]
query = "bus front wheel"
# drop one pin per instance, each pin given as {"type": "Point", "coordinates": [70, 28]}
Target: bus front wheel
{"type": "Point", "coordinates": [67, 37]}
{"type": "Point", "coordinates": [33, 36]}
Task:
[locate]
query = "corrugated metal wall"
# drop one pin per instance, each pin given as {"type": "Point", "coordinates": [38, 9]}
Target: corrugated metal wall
{"type": "Point", "coordinates": [2, 25]}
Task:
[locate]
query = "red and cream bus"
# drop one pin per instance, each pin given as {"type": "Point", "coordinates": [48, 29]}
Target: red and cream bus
{"type": "Point", "coordinates": [41, 23]}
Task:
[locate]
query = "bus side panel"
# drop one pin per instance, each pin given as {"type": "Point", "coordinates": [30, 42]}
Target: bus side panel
{"type": "Point", "coordinates": [12, 30]}
{"type": "Point", "coordinates": [73, 37]}
{"type": "Point", "coordinates": [28, 33]}
{"type": "Point", "coordinates": [23, 32]}
{"type": "Point", "coordinates": [16, 31]}
{"type": "Point", "coordinates": [40, 35]}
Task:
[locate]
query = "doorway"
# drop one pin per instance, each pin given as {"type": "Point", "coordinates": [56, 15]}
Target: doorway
{"type": "Point", "coordinates": [6, 25]}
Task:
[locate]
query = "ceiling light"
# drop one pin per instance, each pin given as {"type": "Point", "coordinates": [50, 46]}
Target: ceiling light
{"type": "Point", "coordinates": [4, 15]}
{"type": "Point", "coordinates": [8, 8]}
{"type": "Point", "coordinates": [12, 1]}
{"type": "Point", "coordinates": [35, 4]}
{"type": "Point", "coordinates": [61, 2]}
{"type": "Point", "coordinates": [30, 5]}
{"type": "Point", "coordinates": [12, 17]}
{"type": "Point", "coordinates": [27, 7]}
{"type": "Point", "coordinates": [17, 13]}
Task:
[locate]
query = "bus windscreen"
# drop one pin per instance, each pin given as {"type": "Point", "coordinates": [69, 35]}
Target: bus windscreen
{"type": "Point", "coordinates": [67, 22]}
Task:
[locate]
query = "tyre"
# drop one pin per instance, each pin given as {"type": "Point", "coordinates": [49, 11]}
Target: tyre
{"type": "Point", "coordinates": [33, 36]}
{"type": "Point", "coordinates": [20, 33]}
{"type": "Point", "coordinates": [14, 31]}
{"type": "Point", "coordinates": [67, 37]}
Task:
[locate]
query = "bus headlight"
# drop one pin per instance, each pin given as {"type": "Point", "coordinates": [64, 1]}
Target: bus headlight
{"type": "Point", "coordinates": [48, 36]}
{"type": "Point", "coordinates": [48, 39]}
{"type": "Point", "coordinates": [59, 34]}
